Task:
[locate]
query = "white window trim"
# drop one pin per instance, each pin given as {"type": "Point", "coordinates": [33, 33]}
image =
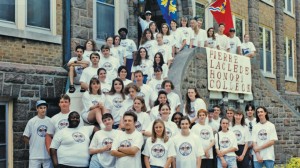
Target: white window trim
{"type": "Point", "coordinates": [290, 13]}
{"type": "Point", "coordinates": [264, 70]}
{"type": "Point", "coordinates": [268, 2]}
{"type": "Point", "coordinates": [21, 30]}
{"type": "Point", "coordinates": [243, 22]}
{"type": "Point", "coordinates": [208, 16]}
{"type": "Point", "coordinates": [287, 77]}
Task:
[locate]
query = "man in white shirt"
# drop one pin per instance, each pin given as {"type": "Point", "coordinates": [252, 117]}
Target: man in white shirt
{"type": "Point", "coordinates": [221, 39]}
{"type": "Point", "coordinates": [235, 43]}
{"type": "Point", "coordinates": [145, 91]}
{"type": "Point", "coordinates": [173, 97]}
{"type": "Point", "coordinates": [145, 23]}
{"type": "Point", "coordinates": [109, 63]}
{"type": "Point", "coordinates": [127, 146]}
{"type": "Point", "coordinates": [248, 49]}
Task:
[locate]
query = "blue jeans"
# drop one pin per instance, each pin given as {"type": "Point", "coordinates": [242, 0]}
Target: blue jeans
{"type": "Point", "coordinates": [155, 166]}
{"type": "Point", "coordinates": [94, 163]}
{"type": "Point", "coordinates": [267, 163]}
{"type": "Point", "coordinates": [230, 160]}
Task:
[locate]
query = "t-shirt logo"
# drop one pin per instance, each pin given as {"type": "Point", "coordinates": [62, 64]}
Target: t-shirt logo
{"type": "Point", "coordinates": [141, 94]}
{"type": "Point", "coordinates": [168, 132]}
{"type": "Point", "coordinates": [158, 87]}
{"type": "Point", "coordinates": [158, 150]}
{"type": "Point", "coordinates": [238, 134]}
{"type": "Point", "coordinates": [117, 102]}
{"type": "Point", "coordinates": [138, 126]}
{"type": "Point", "coordinates": [78, 70]}
{"type": "Point", "coordinates": [192, 114]}
{"type": "Point", "coordinates": [262, 134]}
{"type": "Point", "coordinates": [107, 66]}
{"type": "Point", "coordinates": [166, 41]}
{"type": "Point", "coordinates": [225, 142]}
{"type": "Point", "coordinates": [78, 137]}
{"type": "Point", "coordinates": [63, 123]}
{"type": "Point", "coordinates": [125, 143]}
{"type": "Point", "coordinates": [124, 44]}
{"type": "Point", "coordinates": [148, 47]}
{"type": "Point", "coordinates": [104, 90]}
{"type": "Point", "coordinates": [232, 44]}
{"type": "Point", "coordinates": [94, 102]}
{"type": "Point", "coordinates": [107, 141]}
{"type": "Point", "coordinates": [185, 33]}
{"type": "Point", "coordinates": [185, 149]}
{"type": "Point", "coordinates": [143, 67]}
{"type": "Point", "coordinates": [204, 134]}
{"type": "Point", "coordinates": [41, 130]}
{"type": "Point", "coordinates": [129, 108]}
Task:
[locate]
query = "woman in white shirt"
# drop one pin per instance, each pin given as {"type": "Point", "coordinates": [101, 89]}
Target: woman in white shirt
{"type": "Point", "coordinates": [90, 47]}
{"type": "Point", "coordinates": [153, 29]}
{"type": "Point", "coordinates": [161, 99]}
{"type": "Point", "coordinates": [122, 73]}
{"type": "Point", "coordinates": [159, 150]}
{"type": "Point", "coordinates": [168, 39]}
{"type": "Point", "coordinates": [142, 63]}
{"type": "Point", "coordinates": [159, 62]}
{"type": "Point", "coordinates": [120, 49]}
{"type": "Point", "coordinates": [143, 119]}
{"type": "Point", "coordinates": [147, 41]}
{"type": "Point", "coordinates": [185, 31]}
{"type": "Point", "coordinates": [211, 38]}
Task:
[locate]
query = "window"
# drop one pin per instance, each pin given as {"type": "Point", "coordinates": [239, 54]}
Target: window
{"type": "Point", "coordinates": [289, 59]}
{"type": "Point", "coordinates": [265, 51]}
{"type": "Point", "coordinates": [200, 12]}
{"type": "Point", "coordinates": [268, 2]}
{"type": "Point", "coordinates": [289, 7]}
{"type": "Point", "coordinates": [3, 135]}
{"type": "Point", "coordinates": [105, 13]}
{"type": "Point", "coordinates": [239, 28]}
{"type": "Point", "coordinates": [29, 19]}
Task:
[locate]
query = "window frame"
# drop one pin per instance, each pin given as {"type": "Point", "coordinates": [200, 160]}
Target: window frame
{"type": "Point", "coordinates": [20, 29]}
{"type": "Point", "coordinates": [234, 17]}
{"type": "Point", "coordinates": [286, 11]}
{"type": "Point", "coordinates": [264, 70]}
{"type": "Point", "coordinates": [287, 76]}
{"type": "Point", "coordinates": [9, 133]}
{"type": "Point", "coordinates": [268, 2]}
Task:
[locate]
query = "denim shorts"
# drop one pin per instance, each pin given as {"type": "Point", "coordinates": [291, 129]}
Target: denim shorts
{"type": "Point", "coordinates": [231, 162]}
{"type": "Point", "coordinates": [267, 163]}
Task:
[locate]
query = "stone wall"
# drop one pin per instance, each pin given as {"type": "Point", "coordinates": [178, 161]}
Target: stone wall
{"type": "Point", "coordinates": [190, 70]}
{"type": "Point", "coordinates": [25, 84]}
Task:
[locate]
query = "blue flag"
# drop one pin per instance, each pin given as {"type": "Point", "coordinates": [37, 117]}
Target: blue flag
{"type": "Point", "coordinates": [168, 9]}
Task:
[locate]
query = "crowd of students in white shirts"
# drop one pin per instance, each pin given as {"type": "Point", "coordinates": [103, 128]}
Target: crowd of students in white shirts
{"type": "Point", "coordinates": [127, 95]}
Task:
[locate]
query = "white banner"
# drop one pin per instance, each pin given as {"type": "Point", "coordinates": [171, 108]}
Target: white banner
{"type": "Point", "coordinates": [228, 72]}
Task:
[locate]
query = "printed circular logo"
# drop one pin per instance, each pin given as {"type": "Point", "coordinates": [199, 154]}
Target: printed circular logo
{"type": "Point", "coordinates": [141, 94]}
{"type": "Point", "coordinates": [94, 102]}
{"type": "Point", "coordinates": [78, 137]}
{"type": "Point", "coordinates": [63, 123]}
{"type": "Point", "coordinates": [143, 67]}
{"type": "Point", "coordinates": [125, 143]}
{"type": "Point", "coordinates": [158, 87]}
{"type": "Point", "coordinates": [238, 134]}
{"type": "Point", "coordinates": [138, 126]}
{"type": "Point", "coordinates": [168, 132]}
{"type": "Point", "coordinates": [104, 90]}
{"type": "Point", "coordinates": [107, 66]}
{"type": "Point", "coordinates": [123, 44]}
{"type": "Point", "coordinates": [225, 142]}
{"type": "Point", "coordinates": [107, 141]}
{"type": "Point", "coordinates": [162, 51]}
{"type": "Point", "coordinates": [78, 70]}
{"type": "Point", "coordinates": [262, 134]}
{"type": "Point", "coordinates": [204, 134]}
{"type": "Point", "coordinates": [41, 130]}
{"type": "Point", "coordinates": [185, 33]}
{"type": "Point", "coordinates": [117, 102]}
{"type": "Point", "coordinates": [166, 41]}
{"type": "Point", "coordinates": [158, 150]}
{"type": "Point", "coordinates": [148, 47]}
{"type": "Point", "coordinates": [129, 108]}
{"type": "Point", "coordinates": [185, 149]}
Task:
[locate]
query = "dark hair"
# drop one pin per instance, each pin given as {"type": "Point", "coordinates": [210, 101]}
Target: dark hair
{"type": "Point", "coordinates": [142, 100]}
{"type": "Point", "coordinates": [107, 115]}
{"type": "Point", "coordinates": [173, 116]}
{"type": "Point", "coordinates": [184, 118]}
{"type": "Point", "coordinates": [105, 47]}
{"type": "Point", "coordinates": [243, 118]}
{"type": "Point", "coordinates": [95, 54]}
{"type": "Point", "coordinates": [70, 114]}
{"type": "Point", "coordinates": [188, 100]}
{"type": "Point", "coordinates": [217, 106]}
{"type": "Point", "coordinates": [265, 110]}
{"type": "Point", "coordinates": [164, 133]}
{"type": "Point", "coordinates": [184, 18]}
{"type": "Point", "coordinates": [156, 102]}
{"type": "Point", "coordinates": [100, 69]}
{"type": "Point", "coordinates": [150, 24]}
{"type": "Point", "coordinates": [157, 69]}
{"type": "Point", "coordinates": [133, 86]}
{"type": "Point", "coordinates": [90, 85]}
{"type": "Point", "coordinates": [65, 97]}
{"type": "Point", "coordinates": [115, 36]}
{"type": "Point", "coordinates": [167, 81]}
{"type": "Point", "coordinates": [113, 90]}
{"type": "Point", "coordinates": [132, 114]}
{"type": "Point", "coordinates": [138, 58]}
{"type": "Point", "coordinates": [248, 106]}
{"type": "Point", "coordinates": [223, 118]}
{"type": "Point", "coordinates": [138, 71]}
{"type": "Point", "coordinates": [173, 20]}
{"type": "Point", "coordinates": [79, 47]}
{"type": "Point", "coordinates": [161, 62]}
{"type": "Point", "coordinates": [168, 32]}
{"type": "Point", "coordinates": [93, 44]}
{"type": "Point", "coordinates": [213, 35]}
{"type": "Point", "coordinates": [144, 38]}
{"type": "Point", "coordinates": [163, 104]}
{"type": "Point", "coordinates": [121, 68]}
{"type": "Point", "coordinates": [108, 38]}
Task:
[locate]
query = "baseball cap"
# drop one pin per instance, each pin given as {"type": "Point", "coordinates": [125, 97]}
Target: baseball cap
{"type": "Point", "coordinates": [210, 110]}
{"type": "Point", "coordinates": [41, 102]}
{"type": "Point", "coordinates": [231, 30]}
{"type": "Point", "coordinates": [148, 12]}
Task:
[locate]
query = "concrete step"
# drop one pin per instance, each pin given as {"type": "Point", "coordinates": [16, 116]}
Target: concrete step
{"type": "Point", "coordinates": [76, 99]}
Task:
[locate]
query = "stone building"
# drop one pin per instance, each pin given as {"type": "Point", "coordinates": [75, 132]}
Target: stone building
{"type": "Point", "coordinates": [37, 39]}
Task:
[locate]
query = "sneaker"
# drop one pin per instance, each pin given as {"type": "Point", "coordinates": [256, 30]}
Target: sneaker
{"type": "Point", "coordinates": [72, 89]}
{"type": "Point", "coordinates": [82, 90]}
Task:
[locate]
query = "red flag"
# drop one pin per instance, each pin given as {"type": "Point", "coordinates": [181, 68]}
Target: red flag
{"type": "Point", "coordinates": [221, 11]}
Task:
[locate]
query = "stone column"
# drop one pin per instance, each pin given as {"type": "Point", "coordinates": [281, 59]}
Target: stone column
{"type": "Point", "coordinates": [132, 21]}
{"type": "Point", "coordinates": [279, 49]}
{"type": "Point", "coordinates": [297, 13]}
{"type": "Point", "coordinates": [253, 12]}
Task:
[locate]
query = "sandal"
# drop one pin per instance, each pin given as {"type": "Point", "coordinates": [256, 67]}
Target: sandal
{"type": "Point", "coordinates": [72, 89]}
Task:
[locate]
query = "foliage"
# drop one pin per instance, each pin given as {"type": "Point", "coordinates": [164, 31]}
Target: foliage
{"type": "Point", "coordinates": [294, 162]}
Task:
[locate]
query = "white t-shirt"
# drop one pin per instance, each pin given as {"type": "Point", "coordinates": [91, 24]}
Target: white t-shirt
{"type": "Point", "coordinates": [154, 113]}
{"type": "Point", "coordinates": [235, 42]}
{"type": "Point", "coordinates": [222, 41]}
{"type": "Point", "coordinates": [111, 64]}
{"type": "Point", "coordinates": [126, 106]}
{"type": "Point", "coordinates": [88, 73]}
{"type": "Point", "coordinates": [159, 151]}
{"type": "Point", "coordinates": [178, 36]}
{"type": "Point", "coordinates": [206, 135]}
{"type": "Point", "coordinates": [261, 134]}
{"type": "Point", "coordinates": [59, 122]}
{"type": "Point", "coordinates": [126, 82]}
{"type": "Point", "coordinates": [186, 33]}
{"type": "Point", "coordinates": [164, 74]}
{"type": "Point", "coordinates": [35, 130]}
{"type": "Point", "coordinates": [120, 54]}
{"type": "Point", "coordinates": [72, 146]}
{"type": "Point", "coordinates": [251, 123]}
{"type": "Point", "coordinates": [155, 85]}
{"type": "Point", "coordinates": [89, 100]}
{"type": "Point", "coordinates": [164, 50]}
{"type": "Point", "coordinates": [86, 55]}
{"type": "Point", "coordinates": [174, 101]}
{"type": "Point", "coordinates": [105, 86]}
{"type": "Point", "coordinates": [247, 48]}
{"type": "Point", "coordinates": [211, 42]}
{"type": "Point", "coordinates": [144, 23]}
{"type": "Point", "coordinates": [188, 148]}
{"type": "Point", "coordinates": [227, 140]}
{"type": "Point", "coordinates": [200, 38]}
{"type": "Point", "coordinates": [143, 120]}
{"type": "Point", "coordinates": [129, 140]}
{"type": "Point", "coordinates": [130, 47]}
{"type": "Point", "coordinates": [242, 134]}
{"type": "Point", "coordinates": [195, 107]}
{"type": "Point", "coordinates": [146, 93]}
{"type": "Point", "coordinates": [171, 128]}
{"type": "Point", "coordinates": [78, 69]}
{"type": "Point", "coordinates": [149, 47]}
{"type": "Point", "coordinates": [114, 104]}
{"type": "Point", "coordinates": [145, 66]}
{"type": "Point", "coordinates": [215, 124]}
{"type": "Point", "coordinates": [103, 138]}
